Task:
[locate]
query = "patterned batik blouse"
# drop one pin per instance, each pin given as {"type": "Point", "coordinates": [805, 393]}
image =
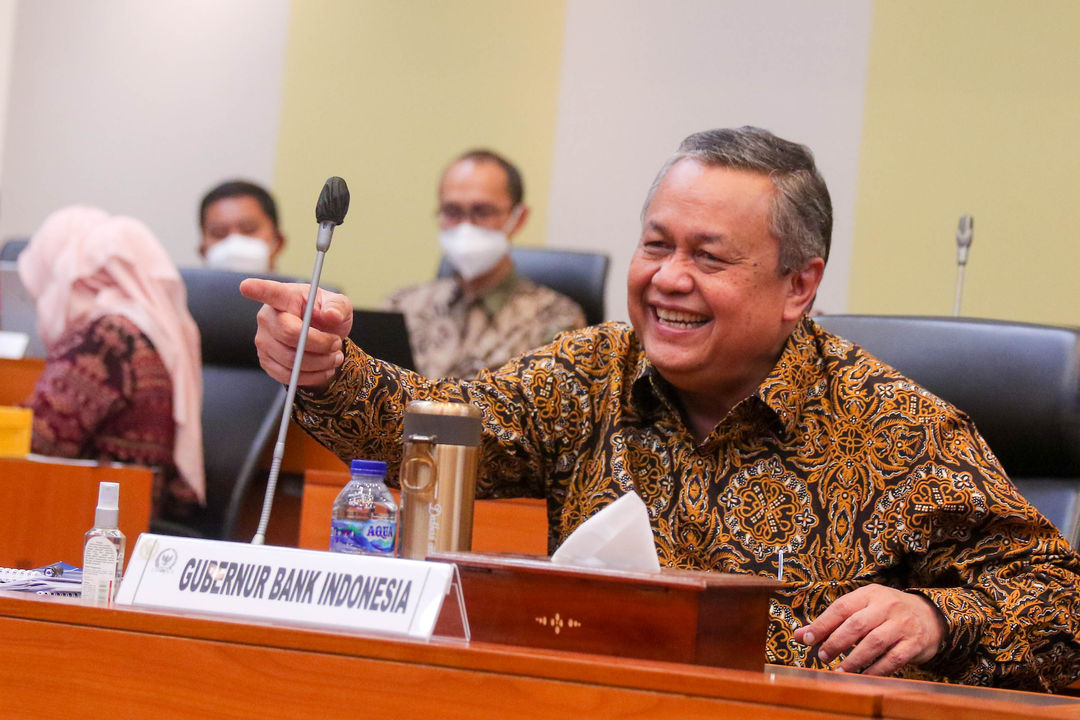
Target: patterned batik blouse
{"type": "Point", "coordinates": [106, 395]}
{"type": "Point", "coordinates": [453, 335]}
{"type": "Point", "coordinates": [858, 474]}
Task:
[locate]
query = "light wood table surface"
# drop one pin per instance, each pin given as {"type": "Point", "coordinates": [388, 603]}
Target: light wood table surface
{"type": "Point", "coordinates": [129, 663]}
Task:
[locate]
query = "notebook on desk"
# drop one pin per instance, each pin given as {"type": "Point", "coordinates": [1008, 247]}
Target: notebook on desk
{"type": "Point", "coordinates": [18, 311]}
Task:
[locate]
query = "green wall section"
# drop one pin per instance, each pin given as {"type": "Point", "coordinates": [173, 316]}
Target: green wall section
{"type": "Point", "coordinates": [972, 107]}
{"type": "Point", "coordinates": [427, 80]}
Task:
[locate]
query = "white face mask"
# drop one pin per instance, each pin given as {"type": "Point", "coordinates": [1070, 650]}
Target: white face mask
{"type": "Point", "coordinates": [473, 250]}
{"type": "Point", "coordinates": [239, 253]}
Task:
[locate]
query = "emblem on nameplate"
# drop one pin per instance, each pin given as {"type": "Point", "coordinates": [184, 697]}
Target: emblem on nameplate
{"type": "Point", "coordinates": [557, 623]}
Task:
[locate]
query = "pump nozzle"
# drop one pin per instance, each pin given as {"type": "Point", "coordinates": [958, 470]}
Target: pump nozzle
{"type": "Point", "coordinates": [107, 514]}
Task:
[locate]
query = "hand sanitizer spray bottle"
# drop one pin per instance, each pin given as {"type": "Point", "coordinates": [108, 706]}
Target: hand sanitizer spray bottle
{"type": "Point", "coordinates": [103, 549]}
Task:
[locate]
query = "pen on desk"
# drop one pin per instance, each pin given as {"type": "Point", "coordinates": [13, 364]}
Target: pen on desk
{"type": "Point", "coordinates": [780, 565]}
{"type": "Point", "coordinates": [54, 570]}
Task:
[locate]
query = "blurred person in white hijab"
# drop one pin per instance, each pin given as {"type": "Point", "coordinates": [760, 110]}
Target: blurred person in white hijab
{"type": "Point", "coordinates": [122, 378]}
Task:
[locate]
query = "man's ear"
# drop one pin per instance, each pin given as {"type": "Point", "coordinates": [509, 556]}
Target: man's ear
{"type": "Point", "coordinates": [523, 215]}
{"type": "Point", "coordinates": [802, 288]}
{"type": "Point", "coordinates": [277, 248]}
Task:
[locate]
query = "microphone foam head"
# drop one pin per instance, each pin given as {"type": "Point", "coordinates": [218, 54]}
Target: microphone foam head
{"type": "Point", "coordinates": [333, 202]}
{"type": "Point", "coordinates": [965, 231]}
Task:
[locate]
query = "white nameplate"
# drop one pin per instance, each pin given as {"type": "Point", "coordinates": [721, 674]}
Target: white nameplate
{"type": "Point", "coordinates": [385, 595]}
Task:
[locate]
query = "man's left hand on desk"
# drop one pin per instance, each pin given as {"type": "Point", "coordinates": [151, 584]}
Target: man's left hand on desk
{"type": "Point", "coordinates": [880, 628]}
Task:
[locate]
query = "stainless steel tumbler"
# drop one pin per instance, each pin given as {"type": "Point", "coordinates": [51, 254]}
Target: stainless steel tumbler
{"type": "Point", "coordinates": [438, 477]}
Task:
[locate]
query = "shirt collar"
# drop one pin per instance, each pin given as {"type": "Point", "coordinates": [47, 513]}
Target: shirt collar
{"type": "Point", "coordinates": [796, 377]}
{"type": "Point", "coordinates": [495, 299]}
{"type": "Point", "coordinates": [784, 393]}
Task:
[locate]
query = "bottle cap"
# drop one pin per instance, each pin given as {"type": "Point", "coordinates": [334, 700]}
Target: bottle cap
{"type": "Point", "coordinates": [108, 505]}
{"type": "Point", "coordinates": [368, 467]}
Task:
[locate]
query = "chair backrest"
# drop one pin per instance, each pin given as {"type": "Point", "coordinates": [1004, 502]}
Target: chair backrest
{"type": "Point", "coordinates": [581, 276]}
{"type": "Point", "coordinates": [1019, 382]}
{"type": "Point", "coordinates": [241, 404]}
{"type": "Point", "coordinates": [12, 247]}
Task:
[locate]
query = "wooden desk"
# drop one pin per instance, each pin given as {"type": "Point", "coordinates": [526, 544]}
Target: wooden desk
{"type": "Point", "coordinates": [50, 506]}
{"type": "Point", "coordinates": [19, 377]}
{"type": "Point", "coordinates": [134, 664]}
{"type": "Point", "coordinates": [510, 525]}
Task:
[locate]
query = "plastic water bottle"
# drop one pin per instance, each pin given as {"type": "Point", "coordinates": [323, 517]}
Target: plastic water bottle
{"type": "Point", "coordinates": [365, 517]}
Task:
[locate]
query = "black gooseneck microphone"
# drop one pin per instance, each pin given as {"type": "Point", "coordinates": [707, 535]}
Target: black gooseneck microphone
{"type": "Point", "coordinates": [965, 232]}
{"type": "Point", "coordinates": [329, 212]}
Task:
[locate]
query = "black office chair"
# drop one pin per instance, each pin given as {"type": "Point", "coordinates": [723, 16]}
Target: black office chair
{"type": "Point", "coordinates": [12, 247]}
{"type": "Point", "coordinates": [1019, 382]}
{"type": "Point", "coordinates": [581, 276]}
{"type": "Point", "coordinates": [242, 405]}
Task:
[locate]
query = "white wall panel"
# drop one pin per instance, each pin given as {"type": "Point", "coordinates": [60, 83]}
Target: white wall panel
{"type": "Point", "coordinates": [639, 75]}
{"type": "Point", "coordinates": [139, 107]}
{"type": "Point", "coordinates": [7, 46]}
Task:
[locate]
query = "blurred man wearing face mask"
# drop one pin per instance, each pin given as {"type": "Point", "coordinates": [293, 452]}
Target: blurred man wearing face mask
{"type": "Point", "coordinates": [239, 224]}
{"type": "Point", "coordinates": [486, 313]}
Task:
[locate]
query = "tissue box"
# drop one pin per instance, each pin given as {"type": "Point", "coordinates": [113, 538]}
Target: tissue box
{"type": "Point", "coordinates": [674, 615]}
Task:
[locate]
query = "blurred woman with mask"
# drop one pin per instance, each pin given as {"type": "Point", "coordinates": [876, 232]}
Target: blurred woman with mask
{"type": "Point", "coordinates": [122, 379]}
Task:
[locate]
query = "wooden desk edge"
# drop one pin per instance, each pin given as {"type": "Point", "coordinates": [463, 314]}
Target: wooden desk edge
{"type": "Point", "coordinates": [806, 690]}
{"type": "Point", "coordinates": [671, 678]}
{"type": "Point", "coordinates": [918, 704]}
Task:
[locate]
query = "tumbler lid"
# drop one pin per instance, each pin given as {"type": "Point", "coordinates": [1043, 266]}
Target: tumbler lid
{"type": "Point", "coordinates": [448, 423]}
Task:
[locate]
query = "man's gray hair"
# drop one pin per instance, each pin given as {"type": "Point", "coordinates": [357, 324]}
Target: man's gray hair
{"type": "Point", "coordinates": [801, 217]}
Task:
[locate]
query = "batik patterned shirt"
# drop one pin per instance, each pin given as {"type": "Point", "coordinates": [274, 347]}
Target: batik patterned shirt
{"type": "Point", "coordinates": [855, 472]}
{"type": "Point", "coordinates": [453, 335]}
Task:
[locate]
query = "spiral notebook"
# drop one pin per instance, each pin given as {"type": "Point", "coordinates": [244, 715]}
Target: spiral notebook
{"type": "Point", "coordinates": [56, 579]}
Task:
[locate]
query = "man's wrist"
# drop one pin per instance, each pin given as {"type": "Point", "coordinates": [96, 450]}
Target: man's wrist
{"type": "Point", "coordinates": [965, 624]}
{"type": "Point", "coordinates": [939, 628]}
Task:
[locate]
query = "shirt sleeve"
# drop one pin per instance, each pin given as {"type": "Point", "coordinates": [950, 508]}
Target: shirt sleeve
{"type": "Point", "coordinates": [565, 315]}
{"type": "Point", "coordinates": [1002, 576]}
{"type": "Point", "coordinates": [361, 415]}
{"type": "Point", "coordinates": [540, 411]}
{"type": "Point", "coordinates": [86, 380]}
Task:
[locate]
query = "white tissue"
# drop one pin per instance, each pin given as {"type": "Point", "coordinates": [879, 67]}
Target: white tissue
{"type": "Point", "coordinates": [618, 537]}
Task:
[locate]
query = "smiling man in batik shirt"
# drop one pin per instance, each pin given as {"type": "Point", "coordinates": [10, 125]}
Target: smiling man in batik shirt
{"type": "Point", "coordinates": [747, 430]}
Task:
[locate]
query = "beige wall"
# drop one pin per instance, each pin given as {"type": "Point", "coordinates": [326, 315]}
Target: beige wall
{"type": "Point", "coordinates": [971, 106]}
{"type": "Point", "coordinates": [384, 94]}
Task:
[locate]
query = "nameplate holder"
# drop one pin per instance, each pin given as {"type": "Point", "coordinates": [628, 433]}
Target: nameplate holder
{"type": "Point", "coordinates": [357, 592]}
